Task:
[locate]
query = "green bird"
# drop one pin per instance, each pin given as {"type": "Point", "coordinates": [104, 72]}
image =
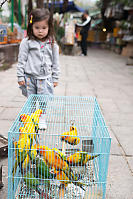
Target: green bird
{"type": "Point", "coordinates": [33, 183]}
{"type": "Point", "coordinates": [18, 162]}
{"type": "Point", "coordinates": [42, 170]}
{"type": "Point", "coordinates": [30, 181]}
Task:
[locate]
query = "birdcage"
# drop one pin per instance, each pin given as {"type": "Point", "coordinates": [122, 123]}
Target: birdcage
{"type": "Point", "coordinates": [58, 147]}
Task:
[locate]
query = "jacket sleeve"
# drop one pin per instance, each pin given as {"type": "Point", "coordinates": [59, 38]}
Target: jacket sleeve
{"type": "Point", "coordinates": [55, 63]}
{"type": "Point", "coordinates": [22, 59]}
{"type": "Point", "coordinates": [85, 22]}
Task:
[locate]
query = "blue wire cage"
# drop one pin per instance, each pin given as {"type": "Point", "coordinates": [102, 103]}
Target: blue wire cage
{"type": "Point", "coordinates": [68, 158]}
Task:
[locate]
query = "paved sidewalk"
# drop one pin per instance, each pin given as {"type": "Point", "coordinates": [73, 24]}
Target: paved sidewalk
{"type": "Point", "coordinates": [102, 74]}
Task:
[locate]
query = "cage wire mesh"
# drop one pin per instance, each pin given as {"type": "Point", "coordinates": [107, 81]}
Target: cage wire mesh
{"type": "Point", "coordinates": [66, 159]}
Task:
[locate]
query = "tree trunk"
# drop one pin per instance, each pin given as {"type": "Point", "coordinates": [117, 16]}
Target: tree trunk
{"type": "Point", "coordinates": [52, 6]}
{"type": "Point", "coordinates": [40, 3]}
{"type": "Point", "coordinates": [65, 4]}
{"type": "Point", "coordinates": [47, 3]}
{"type": "Point", "coordinates": [16, 12]}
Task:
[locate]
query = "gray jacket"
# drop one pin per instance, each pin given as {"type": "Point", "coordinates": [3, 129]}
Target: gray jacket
{"type": "Point", "coordinates": [37, 62]}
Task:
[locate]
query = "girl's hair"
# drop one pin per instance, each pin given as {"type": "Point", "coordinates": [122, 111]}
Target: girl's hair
{"type": "Point", "coordinates": [37, 15]}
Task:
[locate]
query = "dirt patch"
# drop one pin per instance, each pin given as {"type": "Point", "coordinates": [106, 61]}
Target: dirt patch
{"type": "Point", "coordinates": [5, 66]}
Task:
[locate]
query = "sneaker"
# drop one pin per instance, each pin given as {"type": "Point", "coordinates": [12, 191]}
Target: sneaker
{"type": "Point", "coordinates": [81, 55]}
{"type": "Point", "coordinates": [42, 122]}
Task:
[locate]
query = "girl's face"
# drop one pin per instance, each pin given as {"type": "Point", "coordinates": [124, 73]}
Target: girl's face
{"type": "Point", "coordinates": [40, 29]}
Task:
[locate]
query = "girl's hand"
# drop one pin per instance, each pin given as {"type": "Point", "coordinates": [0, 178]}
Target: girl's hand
{"type": "Point", "coordinates": [21, 83]}
{"type": "Point", "coordinates": [55, 84]}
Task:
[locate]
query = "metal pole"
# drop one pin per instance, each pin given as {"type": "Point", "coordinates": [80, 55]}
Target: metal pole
{"type": "Point", "coordinates": [19, 12]}
{"type": "Point", "coordinates": [12, 15]}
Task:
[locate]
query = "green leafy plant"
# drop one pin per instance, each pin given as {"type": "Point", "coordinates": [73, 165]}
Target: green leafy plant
{"type": "Point", "coordinates": [125, 2]}
{"type": "Point", "coordinates": [59, 32]}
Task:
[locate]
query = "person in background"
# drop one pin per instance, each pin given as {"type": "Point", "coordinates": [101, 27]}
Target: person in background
{"type": "Point", "coordinates": [85, 26]}
{"type": "Point", "coordinates": [38, 60]}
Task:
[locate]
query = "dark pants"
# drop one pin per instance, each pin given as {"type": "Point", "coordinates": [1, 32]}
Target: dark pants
{"type": "Point", "coordinates": [84, 43]}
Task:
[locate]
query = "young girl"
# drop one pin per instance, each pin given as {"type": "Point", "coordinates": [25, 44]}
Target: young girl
{"type": "Point", "coordinates": [38, 60]}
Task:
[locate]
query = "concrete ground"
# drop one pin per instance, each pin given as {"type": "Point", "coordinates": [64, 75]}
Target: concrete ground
{"type": "Point", "coordinates": [106, 76]}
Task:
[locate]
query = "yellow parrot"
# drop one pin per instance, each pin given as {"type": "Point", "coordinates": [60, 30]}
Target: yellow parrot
{"type": "Point", "coordinates": [33, 154]}
{"type": "Point", "coordinates": [23, 132]}
{"type": "Point", "coordinates": [31, 122]}
{"type": "Point", "coordinates": [24, 143]}
{"type": "Point", "coordinates": [23, 146]}
{"type": "Point", "coordinates": [63, 156]}
{"type": "Point", "coordinates": [21, 152]}
{"type": "Point", "coordinates": [80, 158]}
{"type": "Point", "coordinates": [28, 125]}
{"type": "Point", "coordinates": [61, 176]}
{"type": "Point", "coordinates": [25, 118]}
{"type": "Point", "coordinates": [55, 161]}
{"type": "Point", "coordinates": [52, 158]}
{"type": "Point", "coordinates": [70, 136]}
{"type": "Point", "coordinates": [35, 117]}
